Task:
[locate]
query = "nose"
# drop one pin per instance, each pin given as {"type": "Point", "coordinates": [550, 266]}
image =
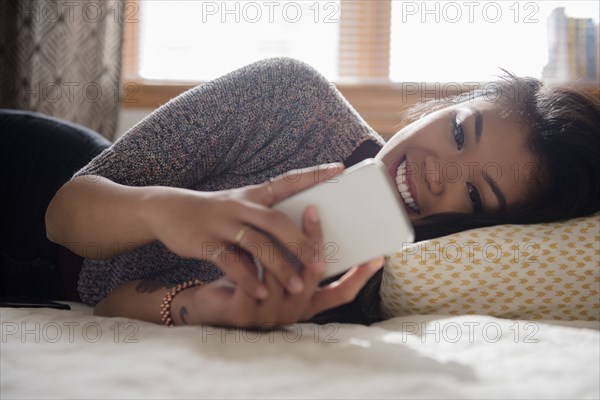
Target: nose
{"type": "Point", "coordinates": [433, 175]}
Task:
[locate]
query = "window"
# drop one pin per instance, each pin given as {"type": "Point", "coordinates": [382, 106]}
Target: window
{"type": "Point", "coordinates": [413, 41]}
{"type": "Point", "coordinates": [467, 41]}
{"type": "Point", "coordinates": [200, 40]}
{"type": "Point", "coordinates": [370, 48]}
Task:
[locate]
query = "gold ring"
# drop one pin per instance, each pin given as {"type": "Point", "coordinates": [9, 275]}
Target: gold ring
{"type": "Point", "coordinates": [241, 233]}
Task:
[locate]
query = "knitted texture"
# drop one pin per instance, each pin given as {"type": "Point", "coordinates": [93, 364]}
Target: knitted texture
{"type": "Point", "coordinates": [252, 124]}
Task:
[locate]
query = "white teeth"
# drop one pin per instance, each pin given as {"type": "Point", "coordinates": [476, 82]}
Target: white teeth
{"type": "Point", "coordinates": [403, 187]}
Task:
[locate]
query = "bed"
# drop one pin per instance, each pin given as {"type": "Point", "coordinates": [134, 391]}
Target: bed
{"type": "Point", "coordinates": [515, 316]}
{"type": "Point", "coordinates": [49, 353]}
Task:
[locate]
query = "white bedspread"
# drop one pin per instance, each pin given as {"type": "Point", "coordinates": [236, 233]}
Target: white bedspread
{"type": "Point", "coordinates": [48, 353]}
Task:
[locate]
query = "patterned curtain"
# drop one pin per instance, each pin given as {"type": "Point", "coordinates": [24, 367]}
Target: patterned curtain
{"type": "Point", "coordinates": [63, 58]}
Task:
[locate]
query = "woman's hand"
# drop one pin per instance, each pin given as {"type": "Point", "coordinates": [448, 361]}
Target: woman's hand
{"type": "Point", "coordinates": [225, 226]}
{"type": "Point", "coordinates": [222, 302]}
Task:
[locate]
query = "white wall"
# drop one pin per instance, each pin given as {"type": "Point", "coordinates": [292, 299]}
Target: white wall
{"type": "Point", "coordinates": [128, 117]}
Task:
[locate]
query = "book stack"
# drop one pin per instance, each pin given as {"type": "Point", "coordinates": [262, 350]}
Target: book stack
{"type": "Point", "coordinates": [573, 54]}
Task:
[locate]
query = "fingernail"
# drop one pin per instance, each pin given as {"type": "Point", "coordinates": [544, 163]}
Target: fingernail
{"type": "Point", "coordinates": [313, 214]}
{"type": "Point", "coordinates": [261, 292]}
{"type": "Point", "coordinates": [296, 285]}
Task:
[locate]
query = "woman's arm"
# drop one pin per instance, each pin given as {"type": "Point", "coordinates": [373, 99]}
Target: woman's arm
{"type": "Point", "coordinates": [247, 126]}
{"type": "Point", "coordinates": [263, 119]}
{"type": "Point", "coordinates": [140, 299]}
{"type": "Point", "coordinates": [97, 218]}
{"type": "Point", "coordinates": [223, 303]}
{"type": "Point", "coordinates": [219, 302]}
{"type": "Point", "coordinates": [191, 224]}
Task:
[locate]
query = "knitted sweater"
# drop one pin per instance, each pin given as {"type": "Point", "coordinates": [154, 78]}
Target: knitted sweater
{"type": "Point", "coordinates": [251, 124]}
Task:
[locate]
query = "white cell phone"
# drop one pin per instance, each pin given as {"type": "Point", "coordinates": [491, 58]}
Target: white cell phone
{"type": "Point", "coordinates": [362, 215]}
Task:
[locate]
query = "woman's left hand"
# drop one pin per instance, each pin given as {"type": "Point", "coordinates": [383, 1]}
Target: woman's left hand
{"type": "Point", "coordinates": [223, 303]}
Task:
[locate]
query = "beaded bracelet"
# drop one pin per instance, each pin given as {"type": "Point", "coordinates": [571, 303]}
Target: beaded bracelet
{"type": "Point", "coordinates": [165, 307]}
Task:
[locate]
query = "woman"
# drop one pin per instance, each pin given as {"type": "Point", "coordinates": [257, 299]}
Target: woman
{"type": "Point", "coordinates": [184, 196]}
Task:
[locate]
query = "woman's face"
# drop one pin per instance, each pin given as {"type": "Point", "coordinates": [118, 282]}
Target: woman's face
{"type": "Point", "coordinates": [465, 158]}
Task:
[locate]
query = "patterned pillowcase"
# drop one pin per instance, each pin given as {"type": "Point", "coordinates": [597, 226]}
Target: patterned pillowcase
{"type": "Point", "coordinates": [545, 271]}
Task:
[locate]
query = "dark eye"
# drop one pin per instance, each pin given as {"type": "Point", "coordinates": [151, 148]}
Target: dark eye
{"type": "Point", "coordinates": [459, 133]}
{"type": "Point", "coordinates": [474, 198]}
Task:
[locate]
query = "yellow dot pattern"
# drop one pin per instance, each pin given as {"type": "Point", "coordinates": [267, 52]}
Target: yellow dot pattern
{"type": "Point", "coordinates": [545, 271]}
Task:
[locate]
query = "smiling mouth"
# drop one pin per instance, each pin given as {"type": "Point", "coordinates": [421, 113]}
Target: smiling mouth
{"type": "Point", "coordinates": [404, 188]}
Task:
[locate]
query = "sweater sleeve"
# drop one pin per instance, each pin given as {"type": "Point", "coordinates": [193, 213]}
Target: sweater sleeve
{"type": "Point", "coordinates": [222, 125]}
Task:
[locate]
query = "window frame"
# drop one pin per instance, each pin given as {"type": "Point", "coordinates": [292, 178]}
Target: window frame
{"type": "Point", "coordinates": [379, 101]}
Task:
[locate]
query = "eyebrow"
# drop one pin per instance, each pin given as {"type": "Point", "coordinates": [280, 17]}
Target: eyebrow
{"type": "Point", "coordinates": [496, 190]}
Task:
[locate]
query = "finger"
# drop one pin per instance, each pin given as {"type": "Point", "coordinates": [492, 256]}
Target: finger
{"type": "Point", "coordinates": [345, 289]}
{"type": "Point", "coordinates": [296, 247]}
{"type": "Point", "coordinates": [211, 302]}
{"type": "Point", "coordinates": [281, 231]}
{"type": "Point", "coordinates": [254, 235]}
{"type": "Point", "coordinates": [313, 274]}
{"type": "Point", "coordinates": [240, 268]}
{"type": "Point", "coordinates": [235, 308]}
{"type": "Point", "coordinates": [296, 181]}
{"type": "Point", "coordinates": [274, 258]}
{"type": "Point", "coordinates": [270, 309]}
{"type": "Point", "coordinates": [294, 305]}
{"type": "Point", "coordinates": [293, 181]}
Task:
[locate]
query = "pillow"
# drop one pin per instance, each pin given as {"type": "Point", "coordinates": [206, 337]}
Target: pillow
{"type": "Point", "coordinates": [544, 271]}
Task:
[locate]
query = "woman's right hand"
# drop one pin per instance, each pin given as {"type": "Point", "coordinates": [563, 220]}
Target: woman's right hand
{"type": "Point", "coordinates": [222, 226]}
{"type": "Point", "coordinates": [223, 303]}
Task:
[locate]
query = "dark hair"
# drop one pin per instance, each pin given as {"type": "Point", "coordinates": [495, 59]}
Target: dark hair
{"type": "Point", "coordinates": [564, 127]}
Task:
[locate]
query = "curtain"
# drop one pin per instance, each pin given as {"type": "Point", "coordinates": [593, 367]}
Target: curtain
{"type": "Point", "coordinates": [63, 58]}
